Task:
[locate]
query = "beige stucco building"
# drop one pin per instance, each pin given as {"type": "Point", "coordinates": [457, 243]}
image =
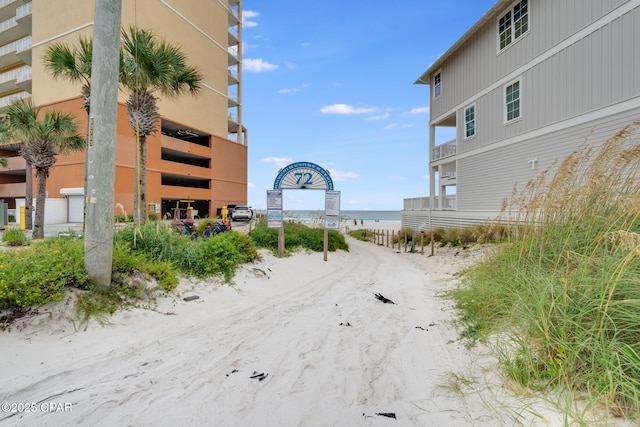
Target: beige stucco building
{"type": "Point", "coordinates": [200, 149]}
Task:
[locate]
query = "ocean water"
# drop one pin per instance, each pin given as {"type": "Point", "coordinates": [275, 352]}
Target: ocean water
{"type": "Point", "coordinates": [346, 215]}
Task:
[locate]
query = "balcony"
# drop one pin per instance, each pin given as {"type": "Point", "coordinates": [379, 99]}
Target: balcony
{"type": "Point", "coordinates": [233, 98]}
{"type": "Point", "coordinates": [232, 52]}
{"type": "Point", "coordinates": [23, 49]}
{"type": "Point", "coordinates": [233, 76]}
{"type": "Point", "coordinates": [8, 79]}
{"type": "Point", "coordinates": [448, 149]}
{"type": "Point", "coordinates": [448, 202]}
{"type": "Point", "coordinates": [8, 8]}
{"type": "Point", "coordinates": [448, 171]}
{"type": "Point", "coordinates": [233, 38]}
{"type": "Point", "coordinates": [23, 78]}
{"type": "Point", "coordinates": [23, 17]}
{"type": "Point", "coordinates": [6, 100]}
{"type": "Point", "coordinates": [234, 16]}
{"type": "Point", "coordinates": [10, 31]}
{"type": "Point", "coordinates": [9, 51]}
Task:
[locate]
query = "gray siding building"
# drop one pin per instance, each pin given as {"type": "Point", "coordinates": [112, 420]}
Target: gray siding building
{"type": "Point", "coordinates": [528, 84]}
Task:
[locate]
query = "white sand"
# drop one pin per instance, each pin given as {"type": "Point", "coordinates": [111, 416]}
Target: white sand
{"type": "Point", "coordinates": [190, 363]}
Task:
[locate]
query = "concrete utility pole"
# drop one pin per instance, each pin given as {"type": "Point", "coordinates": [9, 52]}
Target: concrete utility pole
{"type": "Point", "coordinates": [101, 143]}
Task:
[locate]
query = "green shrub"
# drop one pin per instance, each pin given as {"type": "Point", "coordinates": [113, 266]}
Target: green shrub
{"type": "Point", "coordinates": [297, 236]}
{"type": "Point", "coordinates": [39, 274]}
{"type": "Point", "coordinates": [218, 254]}
{"type": "Point", "coordinates": [15, 237]}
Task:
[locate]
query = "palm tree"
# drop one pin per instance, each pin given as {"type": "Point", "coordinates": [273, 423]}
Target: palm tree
{"type": "Point", "coordinates": [150, 65]}
{"type": "Point", "coordinates": [73, 64]}
{"type": "Point", "coordinates": [41, 141]}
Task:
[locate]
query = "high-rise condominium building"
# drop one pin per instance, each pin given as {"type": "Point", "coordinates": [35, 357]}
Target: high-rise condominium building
{"type": "Point", "coordinates": [199, 151]}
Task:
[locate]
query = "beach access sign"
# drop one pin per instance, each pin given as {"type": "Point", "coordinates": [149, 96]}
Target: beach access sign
{"type": "Point", "coordinates": [274, 208]}
{"type": "Point", "coordinates": [303, 176]}
{"type": "Point", "coordinates": [332, 210]}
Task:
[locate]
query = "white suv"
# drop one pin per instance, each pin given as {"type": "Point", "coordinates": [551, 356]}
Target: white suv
{"type": "Point", "coordinates": [241, 212]}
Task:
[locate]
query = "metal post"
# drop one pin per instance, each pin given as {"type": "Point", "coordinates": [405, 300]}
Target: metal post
{"type": "Point", "coordinates": [326, 243]}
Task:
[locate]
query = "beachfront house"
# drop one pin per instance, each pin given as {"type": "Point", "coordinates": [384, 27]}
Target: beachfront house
{"type": "Point", "coordinates": [528, 84]}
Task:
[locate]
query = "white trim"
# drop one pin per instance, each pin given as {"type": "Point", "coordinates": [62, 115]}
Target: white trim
{"type": "Point", "coordinates": [195, 26]}
{"type": "Point", "coordinates": [621, 107]}
{"type": "Point", "coordinates": [66, 33]}
{"type": "Point", "coordinates": [464, 121]}
{"type": "Point", "coordinates": [505, 114]}
{"type": "Point", "coordinates": [437, 73]}
{"type": "Point", "coordinates": [212, 89]}
{"type": "Point", "coordinates": [514, 40]}
{"type": "Point", "coordinates": [589, 29]}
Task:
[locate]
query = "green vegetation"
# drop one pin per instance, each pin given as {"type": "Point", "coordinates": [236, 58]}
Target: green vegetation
{"type": "Point", "coordinates": [218, 255]}
{"type": "Point", "coordinates": [297, 236]}
{"type": "Point", "coordinates": [15, 237]}
{"type": "Point", "coordinates": [40, 273]}
{"type": "Point", "coordinates": [45, 270]}
{"type": "Point", "coordinates": [451, 236]}
{"type": "Point", "coordinates": [565, 283]}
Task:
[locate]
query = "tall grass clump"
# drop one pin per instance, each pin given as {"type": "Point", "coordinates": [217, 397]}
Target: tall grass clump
{"type": "Point", "coordinates": [297, 236]}
{"type": "Point", "coordinates": [565, 283]}
{"type": "Point", "coordinates": [217, 255]}
{"type": "Point", "coordinates": [15, 237]}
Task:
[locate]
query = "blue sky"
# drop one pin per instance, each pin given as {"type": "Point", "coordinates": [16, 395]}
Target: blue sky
{"type": "Point", "coordinates": [332, 82]}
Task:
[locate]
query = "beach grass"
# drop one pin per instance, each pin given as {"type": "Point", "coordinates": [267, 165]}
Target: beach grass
{"type": "Point", "coordinates": [297, 235]}
{"type": "Point", "coordinates": [561, 296]}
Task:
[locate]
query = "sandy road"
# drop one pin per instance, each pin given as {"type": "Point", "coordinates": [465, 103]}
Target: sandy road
{"type": "Point", "coordinates": [331, 354]}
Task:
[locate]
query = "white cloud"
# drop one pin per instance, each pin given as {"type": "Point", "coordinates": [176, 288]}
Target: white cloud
{"type": "Point", "coordinates": [250, 184]}
{"type": "Point", "coordinates": [380, 117]}
{"type": "Point", "coordinates": [247, 16]}
{"type": "Point", "coordinates": [257, 65]}
{"type": "Point", "coordinates": [278, 161]}
{"type": "Point", "coordinates": [398, 126]}
{"type": "Point", "coordinates": [419, 110]}
{"type": "Point", "coordinates": [294, 89]}
{"type": "Point", "coordinates": [346, 109]}
{"type": "Point", "coordinates": [342, 176]}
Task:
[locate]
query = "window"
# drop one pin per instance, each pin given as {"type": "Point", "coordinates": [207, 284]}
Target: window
{"type": "Point", "coordinates": [513, 24]}
{"type": "Point", "coordinates": [512, 98]}
{"type": "Point", "coordinates": [470, 121]}
{"type": "Point", "coordinates": [437, 86]}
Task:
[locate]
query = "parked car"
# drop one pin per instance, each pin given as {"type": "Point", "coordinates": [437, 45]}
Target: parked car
{"type": "Point", "coordinates": [241, 212]}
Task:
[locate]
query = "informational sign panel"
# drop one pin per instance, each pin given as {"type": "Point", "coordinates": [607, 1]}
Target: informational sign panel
{"type": "Point", "coordinates": [332, 210]}
{"type": "Point", "coordinates": [274, 208]}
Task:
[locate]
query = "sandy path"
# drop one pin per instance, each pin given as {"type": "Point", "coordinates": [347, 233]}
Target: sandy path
{"type": "Point", "coordinates": [193, 365]}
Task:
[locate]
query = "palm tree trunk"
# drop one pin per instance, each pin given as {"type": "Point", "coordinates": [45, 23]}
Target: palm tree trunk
{"type": "Point", "coordinates": [143, 179]}
{"type": "Point", "coordinates": [139, 181]}
{"type": "Point", "coordinates": [28, 198]}
{"type": "Point", "coordinates": [41, 194]}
